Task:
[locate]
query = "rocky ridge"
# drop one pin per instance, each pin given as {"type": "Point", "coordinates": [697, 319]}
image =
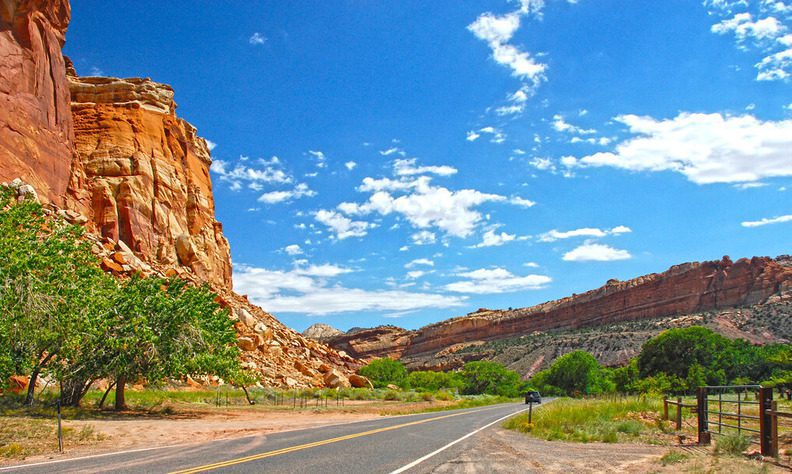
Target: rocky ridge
{"type": "Point", "coordinates": [685, 289]}
{"type": "Point", "coordinates": [112, 155]}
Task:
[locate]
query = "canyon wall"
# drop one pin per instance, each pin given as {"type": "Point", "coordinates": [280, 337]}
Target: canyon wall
{"type": "Point", "coordinates": [145, 175]}
{"type": "Point", "coordinates": [683, 289]}
{"type": "Point", "coordinates": [35, 116]}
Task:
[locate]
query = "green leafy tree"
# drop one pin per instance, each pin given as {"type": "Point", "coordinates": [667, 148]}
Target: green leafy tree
{"type": "Point", "coordinates": [491, 378]}
{"type": "Point", "coordinates": [434, 381]}
{"type": "Point", "coordinates": [166, 328]}
{"type": "Point", "coordinates": [661, 384]}
{"type": "Point", "coordinates": [674, 351]}
{"type": "Point", "coordinates": [46, 277]}
{"type": "Point", "coordinates": [576, 373]}
{"type": "Point", "coordinates": [625, 378]}
{"type": "Point", "coordinates": [385, 371]}
{"type": "Point", "coordinates": [696, 377]}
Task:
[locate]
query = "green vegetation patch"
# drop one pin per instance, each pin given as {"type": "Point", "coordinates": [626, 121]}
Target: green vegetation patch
{"type": "Point", "coordinates": [608, 421]}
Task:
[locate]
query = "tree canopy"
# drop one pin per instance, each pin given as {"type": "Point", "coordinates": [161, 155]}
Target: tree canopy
{"type": "Point", "coordinates": [61, 315]}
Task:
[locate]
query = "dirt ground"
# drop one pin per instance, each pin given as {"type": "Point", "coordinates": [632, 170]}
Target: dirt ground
{"type": "Point", "coordinates": [499, 450]}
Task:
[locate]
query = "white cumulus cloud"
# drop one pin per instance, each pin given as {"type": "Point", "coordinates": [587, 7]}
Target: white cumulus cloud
{"type": "Point", "coordinates": [592, 252]}
{"type": "Point", "coordinates": [342, 226]}
{"type": "Point", "coordinates": [706, 148]}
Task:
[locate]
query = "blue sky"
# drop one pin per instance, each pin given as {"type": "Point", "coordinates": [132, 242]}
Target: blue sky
{"type": "Point", "coordinates": [406, 162]}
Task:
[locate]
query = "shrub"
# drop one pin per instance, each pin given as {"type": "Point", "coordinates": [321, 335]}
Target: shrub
{"type": "Point", "coordinates": [732, 444]}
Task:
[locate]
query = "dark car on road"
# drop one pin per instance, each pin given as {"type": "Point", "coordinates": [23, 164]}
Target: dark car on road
{"type": "Point", "coordinates": [533, 397]}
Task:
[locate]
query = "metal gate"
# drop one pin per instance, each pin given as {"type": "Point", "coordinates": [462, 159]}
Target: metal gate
{"type": "Point", "coordinates": [745, 408]}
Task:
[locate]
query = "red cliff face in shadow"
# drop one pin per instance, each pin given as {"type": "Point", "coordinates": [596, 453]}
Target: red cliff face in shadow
{"type": "Point", "coordinates": [35, 114]}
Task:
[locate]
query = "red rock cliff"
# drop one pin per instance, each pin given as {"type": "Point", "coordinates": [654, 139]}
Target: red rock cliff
{"type": "Point", "coordinates": [146, 175]}
{"type": "Point", "coordinates": [35, 116]}
{"type": "Point", "coordinates": [682, 289]}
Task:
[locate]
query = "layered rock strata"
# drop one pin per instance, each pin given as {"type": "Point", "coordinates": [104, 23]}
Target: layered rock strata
{"type": "Point", "coordinates": [683, 289]}
{"type": "Point", "coordinates": [35, 116]}
{"type": "Point", "coordinates": [146, 175]}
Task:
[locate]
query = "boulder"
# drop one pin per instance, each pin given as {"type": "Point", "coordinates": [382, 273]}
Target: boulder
{"type": "Point", "coordinates": [358, 381]}
{"type": "Point", "coordinates": [335, 379]}
{"type": "Point", "coordinates": [246, 344]}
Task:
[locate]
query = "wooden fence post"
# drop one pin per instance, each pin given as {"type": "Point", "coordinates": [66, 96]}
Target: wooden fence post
{"type": "Point", "coordinates": [703, 422]}
{"type": "Point", "coordinates": [679, 414]}
{"type": "Point", "coordinates": [774, 430]}
{"type": "Point", "coordinates": [766, 421]}
{"type": "Point", "coordinates": [665, 409]}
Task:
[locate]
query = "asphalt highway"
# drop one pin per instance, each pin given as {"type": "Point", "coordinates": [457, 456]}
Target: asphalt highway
{"type": "Point", "coordinates": [412, 443]}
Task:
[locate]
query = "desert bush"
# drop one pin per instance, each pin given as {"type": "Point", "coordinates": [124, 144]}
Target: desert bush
{"type": "Point", "coordinates": [732, 444]}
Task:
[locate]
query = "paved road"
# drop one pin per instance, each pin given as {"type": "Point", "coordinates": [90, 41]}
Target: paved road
{"type": "Point", "coordinates": [413, 443]}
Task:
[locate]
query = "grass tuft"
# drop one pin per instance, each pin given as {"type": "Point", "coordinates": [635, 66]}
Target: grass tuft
{"type": "Point", "coordinates": [673, 457]}
{"type": "Point", "coordinates": [732, 444]}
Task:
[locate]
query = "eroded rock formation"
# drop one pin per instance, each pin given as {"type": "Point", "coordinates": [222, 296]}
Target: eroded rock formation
{"type": "Point", "coordinates": [683, 289]}
{"type": "Point", "coordinates": [35, 117]}
{"type": "Point", "coordinates": [381, 341]}
{"type": "Point", "coordinates": [146, 175]}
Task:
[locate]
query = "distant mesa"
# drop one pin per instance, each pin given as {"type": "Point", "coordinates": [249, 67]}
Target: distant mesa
{"type": "Point", "coordinates": [321, 332]}
{"type": "Point", "coordinates": [685, 289]}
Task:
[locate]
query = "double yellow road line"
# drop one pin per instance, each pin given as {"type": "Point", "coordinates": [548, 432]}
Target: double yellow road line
{"type": "Point", "coordinates": [301, 447]}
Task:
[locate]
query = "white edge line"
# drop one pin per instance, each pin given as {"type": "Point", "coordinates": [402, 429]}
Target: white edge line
{"type": "Point", "coordinates": [198, 443]}
{"type": "Point", "coordinates": [23, 466]}
{"type": "Point", "coordinates": [433, 453]}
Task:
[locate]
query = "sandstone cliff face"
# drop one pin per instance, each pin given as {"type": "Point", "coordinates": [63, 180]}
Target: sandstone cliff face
{"type": "Point", "coordinates": [381, 341]}
{"type": "Point", "coordinates": [35, 118]}
{"type": "Point", "coordinates": [683, 289]}
{"type": "Point", "coordinates": [146, 175]}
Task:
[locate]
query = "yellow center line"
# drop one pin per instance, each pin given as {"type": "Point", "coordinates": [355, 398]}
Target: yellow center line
{"type": "Point", "coordinates": [300, 447]}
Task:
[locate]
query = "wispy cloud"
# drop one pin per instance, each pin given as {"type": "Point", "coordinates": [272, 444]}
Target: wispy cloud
{"type": "Point", "coordinates": [257, 39]}
{"type": "Point", "coordinates": [273, 197]}
{"type": "Point", "coordinates": [553, 235]}
{"type": "Point", "coordinates": [496, 280]}
{"type": "Point", "coordinates": [310, 290]}
{"type": "Point", "coordinates": [768, 221]}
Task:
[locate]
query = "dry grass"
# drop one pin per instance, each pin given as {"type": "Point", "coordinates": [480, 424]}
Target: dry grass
{"type": "Point", "coordinates": [21, 437]}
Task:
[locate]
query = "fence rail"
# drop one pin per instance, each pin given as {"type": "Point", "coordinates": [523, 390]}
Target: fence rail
{"type": "Point", "coordinates": [767, 416]}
